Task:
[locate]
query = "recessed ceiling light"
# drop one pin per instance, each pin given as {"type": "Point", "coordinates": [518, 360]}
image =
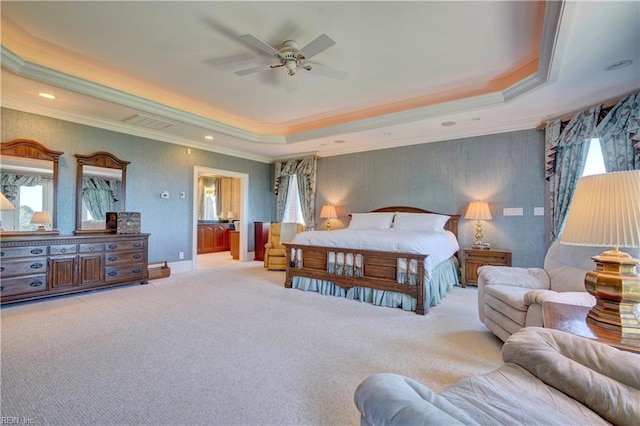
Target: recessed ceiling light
{"type": "Point", "coordinates": [209, 137]}
{"type": "Point", "coordinates": [618, 65]}
{"type": "Point", "coordinates": [46, 95]}
{"type": "Point", "coordinates": [387, 133]}
{"type": "Point", "coordinates": [475, 119]}
{"type": "Point", "coordinates": [448, 123]}
{"type": "Point", "coordinates": [339, 141]}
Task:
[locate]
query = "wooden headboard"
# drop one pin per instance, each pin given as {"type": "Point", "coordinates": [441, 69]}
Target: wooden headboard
{"type": "Point", "coordinates": [451, 225]}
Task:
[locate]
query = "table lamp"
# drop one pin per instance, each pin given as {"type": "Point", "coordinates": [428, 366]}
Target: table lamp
{"type": "Point", "coordinates": [328, 212]}
{"type": "Point", "coordinates": [42, 219]}
{"type": "Point", "coordinates": [605, 212]}
{"type": "Point", "coordinates": [478, 210]}
{"type": "Point", "coordinates": [4, 206]}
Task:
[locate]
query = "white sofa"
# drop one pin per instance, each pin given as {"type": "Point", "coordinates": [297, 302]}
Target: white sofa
{"type": "Point", "coordinates": [511, 298]}
{"type": "Point", "coordinates": [549, 378]}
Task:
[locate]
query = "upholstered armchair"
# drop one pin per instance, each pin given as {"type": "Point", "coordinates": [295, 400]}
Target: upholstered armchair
{"type": "Point", "coordinates": [511, 298]}
{"type": "Point", "coordinates": [274, 251]}
{"type": "Point", "coordinates": [548, 378]}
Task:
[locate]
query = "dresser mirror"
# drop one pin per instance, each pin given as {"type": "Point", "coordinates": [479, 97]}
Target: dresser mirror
{"type": "Point", "coordinates": [100, 188]}
{"type": "Point", "coordinates": [29, 187]}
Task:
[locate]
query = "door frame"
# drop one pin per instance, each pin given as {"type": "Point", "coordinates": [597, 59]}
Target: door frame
{"type": "Point", "coordinates": [244, 211]}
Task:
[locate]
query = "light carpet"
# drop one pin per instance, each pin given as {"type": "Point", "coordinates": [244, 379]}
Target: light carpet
{"type": "Point", "coordinates": [224, 345]}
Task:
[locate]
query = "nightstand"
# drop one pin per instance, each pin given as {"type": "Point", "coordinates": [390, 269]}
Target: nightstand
{"type": "Point", "coordinates": [472, 259]}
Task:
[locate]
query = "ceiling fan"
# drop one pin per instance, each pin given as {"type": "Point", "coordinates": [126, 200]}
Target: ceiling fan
{"type": "Point", "coordinates": [292, 58]}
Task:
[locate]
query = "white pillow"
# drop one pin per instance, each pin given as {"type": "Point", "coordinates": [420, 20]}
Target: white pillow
{"type": "Point", "coordinates": [420, 222]}
{"type": "Point", "coordinates": [371, 220]}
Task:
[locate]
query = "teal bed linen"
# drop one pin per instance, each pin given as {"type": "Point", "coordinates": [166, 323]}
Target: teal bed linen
{"type": "Point", "coordinates": [443, 278]}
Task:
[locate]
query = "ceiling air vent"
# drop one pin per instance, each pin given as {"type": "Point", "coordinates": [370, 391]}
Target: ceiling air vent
{"type": "Point", "coordinates": [148, 122]}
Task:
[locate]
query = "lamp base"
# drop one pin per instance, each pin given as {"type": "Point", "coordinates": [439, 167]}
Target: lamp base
{"type": "Point", "coordinates": [615, 283]}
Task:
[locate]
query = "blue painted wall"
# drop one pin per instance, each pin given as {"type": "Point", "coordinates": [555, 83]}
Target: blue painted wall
{"type": "Point", "coordinates": [155, 166]}
{"type": "Point", "coordinates": [506, 170]}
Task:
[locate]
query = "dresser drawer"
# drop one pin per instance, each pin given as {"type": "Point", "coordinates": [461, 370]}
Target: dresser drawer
{"type": "Point", "coordinates": [20, 285]}
{"type": "Point", "coordinates": [125, 245]}
{"type": "Point", "coordinates": [23, 267]}
{"type": "Point", "coordinates": [128, 272]}
{"type": "Point", "coordinates": [11, 252]}
{"type": "Point", "coordinates": [63, 249]}
{"type": "Point", "coordinates": [123, 257]}
{"type": "Point", "coordinates": [91, 248]}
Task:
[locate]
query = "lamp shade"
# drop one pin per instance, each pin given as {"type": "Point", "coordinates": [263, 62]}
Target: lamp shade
{"type": "Point", "coordinates": [605, 211]}
{"type": "Point", "coordinates": [229, 215]}
{"type": "Point", "coordinates": [5, 204]}
{"type": "Point", "coordinates": [478, 210]}
{"type": "Point", "coordinates": [41, 218]}
{"type": "Point", "coordinates": [328, 212]}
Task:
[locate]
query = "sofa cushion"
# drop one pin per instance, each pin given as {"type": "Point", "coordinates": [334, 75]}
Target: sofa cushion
{"type": "Point", "coordinates": [512, 395]}
{"type": "Point", "coordinates": [604, 379]}
{"type": "Point", "coordinates": [509, 297]}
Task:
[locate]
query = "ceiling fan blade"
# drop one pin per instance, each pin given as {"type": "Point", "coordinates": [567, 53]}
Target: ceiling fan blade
{"type": "Point", "coordinates": [316, 46]}
{"type": "Point", "coordinates": [327, 72]}
{"type": "Point", "coordinates": [252, 70]}
{"type": "Point", "coordinates": [259, 44]}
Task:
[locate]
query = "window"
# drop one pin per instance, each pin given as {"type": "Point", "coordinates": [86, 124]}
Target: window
{"type": "Point", "coordinates": [595, 161]}
{"type": "Point", "coordinates": [292, 207]}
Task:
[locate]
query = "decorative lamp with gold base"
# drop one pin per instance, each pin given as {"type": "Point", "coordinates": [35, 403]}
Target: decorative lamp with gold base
{"type": "Point", "coordinates": [42, 219]}
{"type": "Point", "coordinates": [328, 212]}
{"type": "Point", "coordinates": [605, 212]}
{"type": "Point", "coordinates": [478, 210]}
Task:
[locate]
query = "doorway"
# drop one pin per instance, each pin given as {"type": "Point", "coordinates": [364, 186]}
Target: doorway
{"type": "Point", "coordinates": [242, 214]}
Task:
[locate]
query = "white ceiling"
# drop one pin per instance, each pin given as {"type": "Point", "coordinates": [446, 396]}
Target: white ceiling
{"type": "Point", "coordinates": [487, 66]}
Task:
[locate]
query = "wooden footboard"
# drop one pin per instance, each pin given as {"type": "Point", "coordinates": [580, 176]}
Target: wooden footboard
{"type": "Point", "coordinates": [379, 270]}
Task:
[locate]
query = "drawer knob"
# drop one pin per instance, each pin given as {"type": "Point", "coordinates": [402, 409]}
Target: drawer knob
{"type": "Point", "coordinates": [113, 258]}
{"type": "Point", "coordinates": [35, 283]}
{"type": "Point", "coordinates": [36, 251]}
{"type": "Point", "coordinates": [137, 245]}
{"type": "Point", "coordinates": [137, 256]}
{"type": "Point", "coordinates": [113, 246]}
{"type": "Point", "coordinates": [1, 268]}
{"type": "Point", "coordinates": [137, 271]}
{"type": "Point", "coordinates": [1, 253]}
{"type": "Point", "coordinates": [36, 265]}
{"type": "Point", "coordinates": [112, 274]}
{"type": "Point", "coordinates": [91, 248]}
{"type": "Point", "coordinates": [64, 250]}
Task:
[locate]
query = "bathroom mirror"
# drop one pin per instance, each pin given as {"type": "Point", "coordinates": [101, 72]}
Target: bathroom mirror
{"type": "Point", "coordinates": [100, 188]}
{"type": "Point", "coordinates": [29, 185]}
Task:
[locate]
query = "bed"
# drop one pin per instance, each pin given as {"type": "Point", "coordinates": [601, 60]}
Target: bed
{"type": "Point", "coordinates": [380, 258]}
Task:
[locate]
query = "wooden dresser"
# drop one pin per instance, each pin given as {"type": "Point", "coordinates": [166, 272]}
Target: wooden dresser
{"type": "Point", "coordinates": [34, 267]}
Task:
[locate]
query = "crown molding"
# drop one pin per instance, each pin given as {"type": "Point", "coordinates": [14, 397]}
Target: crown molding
{"type": "Point", "coordinates": [121, 127]}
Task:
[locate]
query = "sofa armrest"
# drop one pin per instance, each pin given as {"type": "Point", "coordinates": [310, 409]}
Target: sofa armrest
{"type": "Point", "coordinates": [392, 399]}
{"type": "Point", "coordinates": [581, 298]}
{"type": "Point", "coordinates": [534, 278]}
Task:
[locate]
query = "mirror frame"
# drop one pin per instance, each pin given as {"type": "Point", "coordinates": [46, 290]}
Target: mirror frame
{"type": "Point", "coordinates": [97, 159]}
{"type": "Point", "coordinates": [29, 148]}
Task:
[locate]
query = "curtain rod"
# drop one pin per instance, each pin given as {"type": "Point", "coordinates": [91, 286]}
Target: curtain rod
{"type": "Point", "coordinates": [569, 116]}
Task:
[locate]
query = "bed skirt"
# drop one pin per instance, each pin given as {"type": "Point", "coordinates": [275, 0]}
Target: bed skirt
{"type": "Point", "coordinates": [444, 277]}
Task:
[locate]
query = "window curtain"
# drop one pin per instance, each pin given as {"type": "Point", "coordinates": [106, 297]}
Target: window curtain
{"type": "Point", "coordinates": [618, 129]}
{"type": "Point", "coordinates": [619, 134]}
{"type": "Point", "coordinates": [305, 169]}
{"type": "Point", "coordinates": [568, 150]}
{"type": "Point", "coordinates": [99, 195]}
{"type": "Point", "coordinates": [10, 183]}
{"type": "Point", "coordinates": [209, 198]}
